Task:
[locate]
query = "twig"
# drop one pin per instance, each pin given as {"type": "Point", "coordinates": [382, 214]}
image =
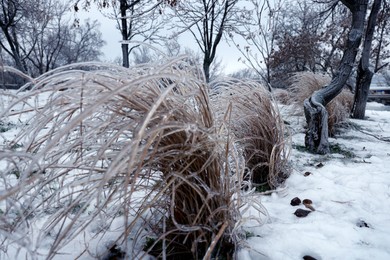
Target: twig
{"type": "Point", "coordinates": [343, 202]}
{"type": "Point", "coordinates": [384, 139]}
{"type": "Point", "coordinates": [215, 241]}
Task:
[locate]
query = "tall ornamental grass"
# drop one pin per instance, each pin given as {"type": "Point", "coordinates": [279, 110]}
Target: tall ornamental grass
{"type": "Point", "coordinates": [258, 130]}
{"type": "Point", "coordinates": [133, 159]}
{"type": "Point", "coordinates": [304, 84]}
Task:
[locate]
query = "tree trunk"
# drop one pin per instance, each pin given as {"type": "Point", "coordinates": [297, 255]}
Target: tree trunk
{"type": "Point", "coordinates": [14, 47]}
{"type": "Point", "coordinates": [316, 138]}
{"type": "Point", "coordinates": [363, 82]}
{"type": "Point", "coordinates": [209, 45]}
{"type": "Point", "coordinates": [125, 45]}
{"type": "Point", "coordinates": [364, 74]}
{"type": "Point", "coordinates": [206, 69]}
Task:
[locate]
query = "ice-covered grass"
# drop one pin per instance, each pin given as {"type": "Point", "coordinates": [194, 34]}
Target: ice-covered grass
{"type": "Point", "coordinates": [258, 127]}
{"type": "Point", "coordinates": [98, 157]}
{"type": "Point", "coordinates": [69, 189]}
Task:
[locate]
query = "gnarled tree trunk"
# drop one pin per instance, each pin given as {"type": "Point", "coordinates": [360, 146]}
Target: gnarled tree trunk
{"type": "Point", "coordinates": [364, 74]}
{"type": "Point", "coordinates": [363, 82]}
{"type": "Point", "coordinates": [316, 139]}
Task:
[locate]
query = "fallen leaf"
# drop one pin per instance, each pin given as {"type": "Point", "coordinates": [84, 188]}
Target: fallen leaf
{"type": "Point", "coordinates": [307, 257]}
{"type": "Point", "coordinates": [308, 203]}
{"type": "Point", "coordinates": [301, 213]}
{"type": "Point", "coordinates": [295, 201]}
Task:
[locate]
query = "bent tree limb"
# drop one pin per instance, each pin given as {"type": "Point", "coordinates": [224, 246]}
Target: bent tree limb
{"type": "Point", "coordinates": [316, 138]}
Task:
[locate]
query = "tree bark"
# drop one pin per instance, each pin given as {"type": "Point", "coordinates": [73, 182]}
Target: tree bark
{"type": "Point", "coordinates": [364, 74]}
{"type": "Point", "coordinates": [125, 46]}
{"type": "Point", "coordinates": [363, 82]}
{"type": "Point", "coordinates": [316, 138]}
{"type": "Point", "coordinates": [206, 68]}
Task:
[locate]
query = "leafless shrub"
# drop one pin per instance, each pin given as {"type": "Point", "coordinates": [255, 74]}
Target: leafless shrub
{"type": "Point", "coordinates": [303, 85]}
{"type": "Point", "coordinates": [111, 154]}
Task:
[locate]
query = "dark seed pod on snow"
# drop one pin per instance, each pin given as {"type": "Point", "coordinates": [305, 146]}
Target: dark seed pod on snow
{"type": "Point", "coordinates": [320, 165]}
{"type": "Point", "coordinates": [307, 257]}
{"type": "Point", "coordinates": [301, 213]}
{"type": "Point", "coordinates": [362, 223]}
{"type": "Point", "coordinates": [295, 201]}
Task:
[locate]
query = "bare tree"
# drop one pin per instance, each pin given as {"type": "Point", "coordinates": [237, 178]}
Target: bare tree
{"type": "Point", "coordinates": [272, 29]}
{"type": "Point", "coordinates": [44, 37]}
{"type": "Point", "coordinates": [258, 29]}
{"type": "Point", "coordinates": [333, 38]}
{"type": "Point", "coordinates": [317, 40]}
{"type": "Point", "coordinates": [137, 20]}
{"type": "Point", "coordinates": [316, 139]}
{"type": "Point", "coordinates": [12, 12]}
{"type": "Point", "coordinates": [207, 21]}
{"type": "Point", "coordinates": [84, 43]}
{"type": "Point", "coordinates": [381, 42]}
{"type": "Point", "coordinates": [40, 37]}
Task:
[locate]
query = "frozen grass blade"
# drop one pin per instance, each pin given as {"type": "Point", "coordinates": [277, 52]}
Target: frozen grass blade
{"type": "Point", "coordinates": [128, 156]}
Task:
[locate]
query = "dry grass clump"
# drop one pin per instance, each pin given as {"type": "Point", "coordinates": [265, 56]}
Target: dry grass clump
{"type": "Point", "coordinates": [134, 157]}
{"type": "Point", "coordinates": [303, 84]}
{"type": "Point", "coordinates": [259, 131]}
{"type": "Point", "coordinates": [282, 96]}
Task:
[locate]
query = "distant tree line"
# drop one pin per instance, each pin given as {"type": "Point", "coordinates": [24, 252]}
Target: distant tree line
{"type": "Point", "coordinates": [343, 38]}
{"type": "Point", "coordinates": [276, 38]}
{"type": "Point", "coordinates": [39, 35]}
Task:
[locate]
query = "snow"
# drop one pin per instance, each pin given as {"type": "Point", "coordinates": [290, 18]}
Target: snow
{"type": "Point", "coordinates": [350, 194]}
{"type": "Point", "coordinates": [350, 191]}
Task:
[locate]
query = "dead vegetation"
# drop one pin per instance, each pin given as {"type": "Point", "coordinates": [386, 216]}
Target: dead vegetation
{"type": "Point", "coordinates": [282, 96]}
{"type": "Point", "coordinates": [140, 158]}
{"type": "Point", "coordinates": [259, 131]}
{"type": "Point", "coordinates": [303, 85]}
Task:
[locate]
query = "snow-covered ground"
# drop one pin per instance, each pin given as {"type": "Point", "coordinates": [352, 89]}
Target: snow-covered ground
{"type": "Point", "coordinates": [349, 190]}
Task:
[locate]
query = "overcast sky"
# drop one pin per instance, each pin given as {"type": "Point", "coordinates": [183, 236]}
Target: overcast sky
{"type": "Point", "coordinates": [228, 54]}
